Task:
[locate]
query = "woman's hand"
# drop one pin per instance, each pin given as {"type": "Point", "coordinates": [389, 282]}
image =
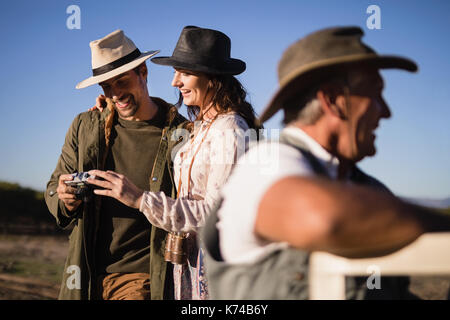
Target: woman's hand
{"type": "Point", "coordinates": [117, 186]}
{"type": "Point", "coordinates": [100, 103]}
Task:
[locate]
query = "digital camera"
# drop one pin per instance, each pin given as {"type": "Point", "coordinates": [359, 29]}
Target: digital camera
{"type": "Point", "coordinates": [83, 188]}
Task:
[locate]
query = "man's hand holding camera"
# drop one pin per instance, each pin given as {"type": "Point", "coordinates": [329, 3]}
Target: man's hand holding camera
{"type": "Point", "coordinates": [67, 194]}
{"type": "Point", "coordinates": [116, 186]}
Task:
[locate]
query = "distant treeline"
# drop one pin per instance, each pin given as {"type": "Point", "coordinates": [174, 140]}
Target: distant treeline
{"type": "Point", "coordinates": [23, 211]}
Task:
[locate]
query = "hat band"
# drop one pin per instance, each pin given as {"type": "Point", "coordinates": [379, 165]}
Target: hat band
{"type": "Point", "coordinates": [117, 63]}
{"type": "Point", "coordinates": [191, 57]}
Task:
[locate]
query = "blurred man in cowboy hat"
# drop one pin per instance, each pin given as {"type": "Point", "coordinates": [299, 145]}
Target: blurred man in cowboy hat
{"type": "Point", "coordinates": [114, 252]}
{"type": "Point", "coordinates": [316, 198]}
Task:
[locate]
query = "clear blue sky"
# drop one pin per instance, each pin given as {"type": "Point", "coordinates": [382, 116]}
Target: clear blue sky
{"type": "Point", "coordinates": [42, 60]}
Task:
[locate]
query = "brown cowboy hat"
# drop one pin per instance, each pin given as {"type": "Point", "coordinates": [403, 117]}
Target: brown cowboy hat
{"type": "Point", "coordinates": [318, 55]}
{"type": "Point", "coordinates": [204, 50]}
{"type": "Point", "coordinates": [112, 55]}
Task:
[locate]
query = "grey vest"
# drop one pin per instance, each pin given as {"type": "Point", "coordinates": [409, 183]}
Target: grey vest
{"type": "Point", "coordinates": [284, 273]}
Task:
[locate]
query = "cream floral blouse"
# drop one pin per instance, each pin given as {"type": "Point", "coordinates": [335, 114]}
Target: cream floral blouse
{"type": "Point", "coordinates": [215, 145]}
{"type": "Point", "coordinates": [223, 143]}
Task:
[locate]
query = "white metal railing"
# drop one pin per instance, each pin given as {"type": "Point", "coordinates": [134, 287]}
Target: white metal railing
{"type": "Point", "coordinates": [428, 255]}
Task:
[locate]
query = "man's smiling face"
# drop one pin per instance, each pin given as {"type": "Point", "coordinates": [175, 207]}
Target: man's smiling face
{"type": "Point", "coordinates": [127, 91]}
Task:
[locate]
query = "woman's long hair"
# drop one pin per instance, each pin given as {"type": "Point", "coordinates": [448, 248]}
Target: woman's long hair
{"type": "Point", "coordinates": [227, 95]}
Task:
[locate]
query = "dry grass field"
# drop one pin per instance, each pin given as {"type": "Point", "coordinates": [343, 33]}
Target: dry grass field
{"type": "Point", "coordinates": [31, 266]}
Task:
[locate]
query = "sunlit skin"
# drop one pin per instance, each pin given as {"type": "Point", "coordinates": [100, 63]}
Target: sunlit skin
{"type": "Point", "coordinates": [347, 127]}
{"type": "Point", "coordinates": [193, 87]}
{"type": "Point", "coordinates": [129, 93]}
{"type": "Point", "coordinates": [318, 214]}
{"type": "Point", "coordinates": [366, 107]}
{"type": "Point", "coordinates": [67, 194]}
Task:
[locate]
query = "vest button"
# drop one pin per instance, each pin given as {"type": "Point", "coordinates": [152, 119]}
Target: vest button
{"type": "Point", "coordinates": [154, 179]}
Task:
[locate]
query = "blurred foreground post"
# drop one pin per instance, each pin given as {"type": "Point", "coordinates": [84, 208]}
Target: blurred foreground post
{"type": "Point", "coordinates": [428, 255]}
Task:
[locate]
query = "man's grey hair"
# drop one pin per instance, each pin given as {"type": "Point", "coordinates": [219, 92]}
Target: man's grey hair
{"type": "Point", "coordinates": [311, 112]}
{"type": "Point", "coordinates": [307, 109]}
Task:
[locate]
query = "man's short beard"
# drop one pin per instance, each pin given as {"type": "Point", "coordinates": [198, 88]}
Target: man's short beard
{"type": "Point", "coordinates": [131, 111]}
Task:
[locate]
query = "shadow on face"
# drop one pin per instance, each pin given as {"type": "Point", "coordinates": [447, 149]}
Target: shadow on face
{"type": "Point", "coordinates": [364, 108]}
{"type": "Point", "coordinates": [127, 90]}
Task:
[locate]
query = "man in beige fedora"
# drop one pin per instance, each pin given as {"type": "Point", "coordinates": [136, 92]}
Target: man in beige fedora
{"type": "Point", "coordinates": [114, 253]}
{"type": "Point", "coordinates": [258, 241]}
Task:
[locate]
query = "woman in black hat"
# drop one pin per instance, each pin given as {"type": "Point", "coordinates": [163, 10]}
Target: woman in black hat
{"type": "Point", "coordinates": [205, 53]}
{"type": "Point", "coordinates": [216, 100]}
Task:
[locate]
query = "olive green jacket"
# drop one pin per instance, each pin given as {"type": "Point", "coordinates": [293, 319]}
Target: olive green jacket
{"type": "Point", "coordinates": [85, 148]}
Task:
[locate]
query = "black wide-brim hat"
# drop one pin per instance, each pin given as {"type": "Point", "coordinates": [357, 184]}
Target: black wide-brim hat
{"type": "Point", "coordinates": [203, 50]}
{"type": "Point", "coordinates": [321, 55]}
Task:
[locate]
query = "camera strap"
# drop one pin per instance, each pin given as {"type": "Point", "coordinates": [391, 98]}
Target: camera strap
{"type": "Point", "coordinates": [182, 156]}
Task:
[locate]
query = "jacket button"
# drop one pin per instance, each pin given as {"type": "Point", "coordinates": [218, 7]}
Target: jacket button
{"type": "Point", "coordinates": [154, 179]}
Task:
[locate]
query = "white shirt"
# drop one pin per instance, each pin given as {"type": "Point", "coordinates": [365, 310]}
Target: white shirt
{"type": "Point", "coordinates": [260, 168]}
{"type": "Point", "coordinates": [215, 157]}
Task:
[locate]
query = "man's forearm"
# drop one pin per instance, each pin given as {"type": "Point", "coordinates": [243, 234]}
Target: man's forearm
{"type": "Point", "coordinates": [375, 223]}
{"type": "Point", "coordinates": [345, 219]}
{"type": "Point", "coordinates": [370, 223]}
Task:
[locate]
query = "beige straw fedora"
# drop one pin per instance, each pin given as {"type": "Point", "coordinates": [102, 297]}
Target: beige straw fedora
{"type": "Point", "coordinates": [113, 55]}
{"type": "Point", "coordinates": [319, 55]}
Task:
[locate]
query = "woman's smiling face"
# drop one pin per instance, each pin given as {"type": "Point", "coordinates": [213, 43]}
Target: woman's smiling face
{"type": "Point", "coordinates": [193, 87]}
